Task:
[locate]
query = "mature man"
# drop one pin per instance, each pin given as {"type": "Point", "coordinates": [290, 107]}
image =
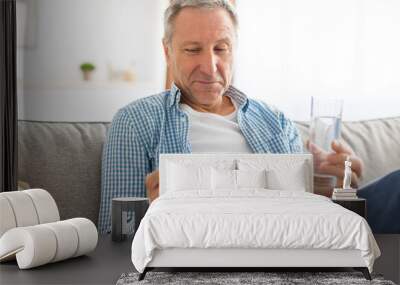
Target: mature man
{"type": "Point", "coordinates": [202, 112]}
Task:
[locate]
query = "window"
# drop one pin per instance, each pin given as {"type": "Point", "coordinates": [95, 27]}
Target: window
{"type": "Point", "coordinates": [291, 50]}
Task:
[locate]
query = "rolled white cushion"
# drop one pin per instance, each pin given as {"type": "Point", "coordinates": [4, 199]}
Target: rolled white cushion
{"type": "Point", "coordinates": [23, 208]}
{"type": "Point", "coordinates": [67, 240]}
{"type": "Point", "coordinates": [7, 218]}
{"type": "Point", "coordinates": [87, 234]}
{"type": "Point", "coordinates": [41, 244]}
{"type": "Point", "coordinates": [26, 208]}
{"type": "Point", "coordinates": [33, 246]}
{"type": "Point", "coordinates": [46, 207]}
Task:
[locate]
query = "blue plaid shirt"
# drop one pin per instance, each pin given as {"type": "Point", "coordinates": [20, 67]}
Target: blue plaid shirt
{"type": "Point", "coordinates": [149, 126]}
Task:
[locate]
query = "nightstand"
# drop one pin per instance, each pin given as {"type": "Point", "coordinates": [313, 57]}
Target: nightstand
{"type": "Point", "coordinates": [127, 212]}
{"type": "Point", "coordinates": [358, 205]}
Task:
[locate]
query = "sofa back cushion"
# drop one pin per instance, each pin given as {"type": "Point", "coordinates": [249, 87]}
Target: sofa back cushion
{"type": "Point", "coordinates": [376, 141]}
{"type": "Point", "coordinates": [65, 160]}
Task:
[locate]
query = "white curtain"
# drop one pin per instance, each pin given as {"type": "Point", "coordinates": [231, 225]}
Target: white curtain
{"type": "Point", "coordinates": [290, 50]}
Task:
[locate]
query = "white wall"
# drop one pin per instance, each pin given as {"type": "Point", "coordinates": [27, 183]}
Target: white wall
{"type": "Point", "coordinates": [291, 50]}
{"type": "Point", "coordinates": [69, 32]}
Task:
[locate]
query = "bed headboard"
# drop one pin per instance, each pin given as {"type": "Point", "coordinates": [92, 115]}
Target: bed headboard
{"type": "Point", "coordinates": [281, 163]}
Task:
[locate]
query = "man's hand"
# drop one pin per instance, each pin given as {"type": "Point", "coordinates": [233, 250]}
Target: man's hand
{"type": "Point", "coordinates": [332, 163]}
{"type": "Point", "coordinates": [152, 185]}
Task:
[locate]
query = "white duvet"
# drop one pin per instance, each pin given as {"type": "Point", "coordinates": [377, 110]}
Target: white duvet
{"type": "Point", "coordinates": [250, 219]}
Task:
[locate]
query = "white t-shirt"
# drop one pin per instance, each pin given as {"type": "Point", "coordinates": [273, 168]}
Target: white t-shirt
{"type": "Point", "coordinates": [210, 132]}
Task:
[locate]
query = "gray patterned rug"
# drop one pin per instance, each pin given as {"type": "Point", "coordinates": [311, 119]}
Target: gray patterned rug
{"type": "Point", "coordinates": [230, 278]}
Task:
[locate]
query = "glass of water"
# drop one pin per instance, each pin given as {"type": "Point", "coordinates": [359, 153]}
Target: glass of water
{"type": "Point", "coordinates": [325, 125]}
{"type": "Point", "coordinates": [326, 118]}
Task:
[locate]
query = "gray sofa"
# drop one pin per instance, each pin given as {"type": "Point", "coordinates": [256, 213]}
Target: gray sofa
{"type": "Point", "coordinates": [65, 158]}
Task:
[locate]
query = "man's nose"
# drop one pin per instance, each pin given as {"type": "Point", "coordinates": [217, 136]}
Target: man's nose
{"type": "Point", "coordinates": [208, 63]}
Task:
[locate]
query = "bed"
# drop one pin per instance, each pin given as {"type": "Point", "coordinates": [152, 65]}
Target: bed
{"type": "Point", "coordinates": [247, 211]}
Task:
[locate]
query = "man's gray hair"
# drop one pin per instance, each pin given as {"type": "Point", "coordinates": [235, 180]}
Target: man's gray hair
{"type": "Point", "coordinates": [177, 5]}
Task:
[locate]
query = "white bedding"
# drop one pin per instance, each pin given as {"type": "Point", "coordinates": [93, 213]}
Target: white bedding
{"type": "Point", "coordinates": [252, 218]}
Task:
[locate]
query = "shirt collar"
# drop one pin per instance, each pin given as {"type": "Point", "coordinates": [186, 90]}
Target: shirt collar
{"type": "Point", "coordinates": [237, 95]}
{"type": "Point", "coordinates": [175, 95]}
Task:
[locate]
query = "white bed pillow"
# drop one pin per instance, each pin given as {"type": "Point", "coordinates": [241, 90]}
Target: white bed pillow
{"type": "Point", "coordinates": [223, 179]}
{"type": "Point", "coordinates": [251, 178]}
{"type": "Point", "coordinates": [279, 180]}
{"type": "Point", "coordinates": [281, 174]}
{"type": "Point", "coordinates": [188, 177]}
{"type": "Point", "coordinates": [227, 179]}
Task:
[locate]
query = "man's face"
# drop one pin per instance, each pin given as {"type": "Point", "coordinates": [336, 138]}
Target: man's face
{"type": "Point", "coordinates": [201, 54]}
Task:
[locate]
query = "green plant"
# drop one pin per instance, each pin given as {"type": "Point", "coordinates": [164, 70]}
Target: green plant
{"type": "Point", "coordinates": [87, 66]}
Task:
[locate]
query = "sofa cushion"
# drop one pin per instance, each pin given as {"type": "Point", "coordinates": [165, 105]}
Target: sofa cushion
{"type": "Point", "coordinates": [375, 141]}
{"type": "Point", "coordinates": [65, 160]}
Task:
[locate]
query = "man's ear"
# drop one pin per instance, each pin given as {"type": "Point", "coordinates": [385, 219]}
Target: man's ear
{"type": "Point", "coordinates": [167, 51]}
